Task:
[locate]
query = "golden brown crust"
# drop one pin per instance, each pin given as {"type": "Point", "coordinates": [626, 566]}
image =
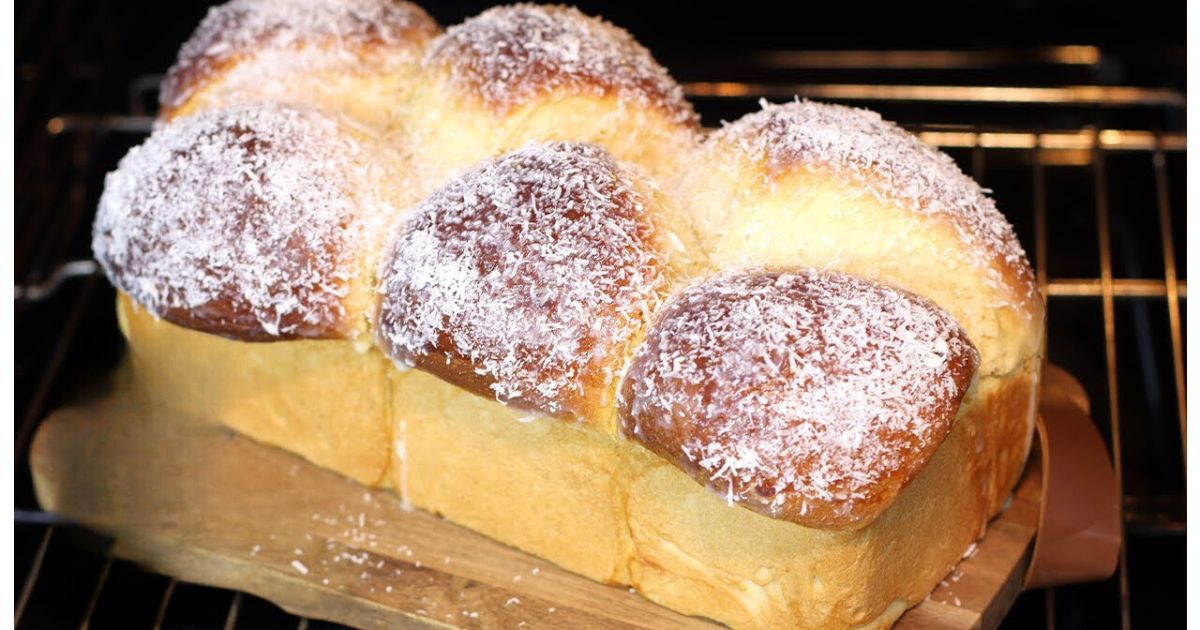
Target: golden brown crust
{"type": "Point", "coordinates": [366, 31]}
{"type": "Point", "coordinates": [228, 317]}
{"type": "Point", "coordinates": [508, 55]}
{"type": "Point", "coordinates": [859, 148]}
{"type": "Point", "coordinates": [247, 222]}
{"type": "Point", "coordinates": [526, 279]}
{"type": "Point", "coordinates": [806, 396]}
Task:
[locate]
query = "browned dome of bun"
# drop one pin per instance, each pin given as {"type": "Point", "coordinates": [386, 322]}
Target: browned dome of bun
{"type": "Point", "coordinates": [279, 50]}
{"type": "Point", "coordinates": [812, 397]}
{"type": "Point", "coordinates": [860, 148]}
{"type": "Point", "coordinates": [526, 279]}
{"type": "Point", "coordinates": [508, 55]}
{"type": "Point", "coordinates": [521, 73]}
{"type": "Point", "coordinates": [248, 222]}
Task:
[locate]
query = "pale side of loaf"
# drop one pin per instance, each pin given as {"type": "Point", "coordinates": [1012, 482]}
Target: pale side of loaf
{"type": "Point", "coordinates": [612, 511]}
{"type": "Point", "coordinates": [504, 273]}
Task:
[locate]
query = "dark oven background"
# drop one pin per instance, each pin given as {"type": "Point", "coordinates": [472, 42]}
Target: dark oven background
{"type": "Point", "coordinates": [1084, 150]}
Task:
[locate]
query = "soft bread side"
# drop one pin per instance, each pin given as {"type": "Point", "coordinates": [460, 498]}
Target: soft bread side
{"type": "Point", "coordinates": [606, 508]}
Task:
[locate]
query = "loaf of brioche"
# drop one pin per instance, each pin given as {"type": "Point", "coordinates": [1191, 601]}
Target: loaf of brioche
{"type": "Point", "coordinates": [776, 375]}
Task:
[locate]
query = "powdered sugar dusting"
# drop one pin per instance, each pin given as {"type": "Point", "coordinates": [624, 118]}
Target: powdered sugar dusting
{"type": "Point", "coordinates": [808, 396]}
{"type": "Point", "coordinates": [510, 54]}
{"type": "Point", "coordinates": [343, 28]}
{"type": "Point", "coordinates": [535, 269]}
{"type": "Point", "coordinates": [244, 221]}
{"type": "Point", "coordinates": [892, 164]}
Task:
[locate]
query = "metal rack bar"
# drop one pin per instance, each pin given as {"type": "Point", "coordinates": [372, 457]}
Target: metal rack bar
{"type": "Point", "coordinates": [1169, 275]}
{"type": "Point", "coordinates": [1106, 95]}
{"type": "Point", "coordinates": [34, 517]}
{"type": "Point", "coordinates": [235, 605]}
{"type": "Point", "coordinates": [32, 577]}
{"type": "Point", "coordinates": [164, 603]}
{"type": "Point", "coordinates": [1120, 287]}
{"type": "Point", "coordinates": [925, 59]}
{"type": "Point", "coordinates": [55, 280]}
{"type": "Point", "coordinates": [1051, 608]}
{"type": "Point", "coordinates": [1080, 139]}
{"type": "Point", "coordinates": [101, 580]}
{"type": "Point", "coordinates": [978, 161]}
{"type": "Point", "coordinates": [66, 219]}
{"type": "Point", "coordinates": [34, 411]}
{"type": "Point", "coordinates": [81, 122]}
{"type": "Point", "coordinates": [1039, 217]}
{"type": "Point", "coordinates": [43, 198]}
{"type": "Point", "coordinates": [1040, 251]}
{"type": "Point", "coordinates": [1104, 236]}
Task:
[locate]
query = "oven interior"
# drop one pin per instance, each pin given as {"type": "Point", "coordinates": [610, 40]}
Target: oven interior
{"type": "Point", "coordinates": [1072, 114]}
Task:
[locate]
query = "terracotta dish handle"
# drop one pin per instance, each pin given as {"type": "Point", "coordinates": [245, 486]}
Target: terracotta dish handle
{"type": "Point", "coordinates": [1079, 527]}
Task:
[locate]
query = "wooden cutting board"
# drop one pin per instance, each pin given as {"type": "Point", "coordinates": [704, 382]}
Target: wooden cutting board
{"type": "Point", "coordinates": [206, 505]}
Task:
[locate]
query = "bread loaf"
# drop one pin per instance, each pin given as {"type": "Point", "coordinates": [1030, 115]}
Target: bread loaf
{"type": "Point", "coordinates": [779, 375]}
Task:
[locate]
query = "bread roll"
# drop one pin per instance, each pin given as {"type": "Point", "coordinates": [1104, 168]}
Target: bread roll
{"type": "Point", "coordinates": [526, 72]}
{"type": "Point", "coordinates": [528, 279]}
{"type": "Point", "coordinates": [353, 57]}
{"type": "Point", "coordinates": [258, 223]}
{"type": "Point", "coordinates": [807, 397]}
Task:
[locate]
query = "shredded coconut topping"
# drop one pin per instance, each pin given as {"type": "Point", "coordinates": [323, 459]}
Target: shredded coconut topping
{"type": "Point", "coordinates": [802, 395]}
{"type": "Point", "coordinates": [892, 164]}
{"type": "Point", "coordinates": [244, 221]}
{"type": "Point", "coordinates": [342, 28]}
{"type": "Point", "coordinates": [535, 268]}
{"type": "Point", "coordinates": [510, 54]}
